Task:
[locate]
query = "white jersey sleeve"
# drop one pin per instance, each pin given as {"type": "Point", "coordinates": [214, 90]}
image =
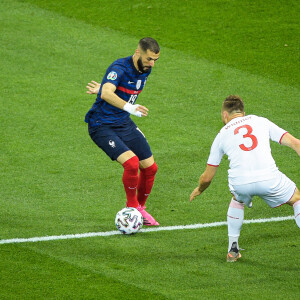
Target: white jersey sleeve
{"type": "Point", "coordinates": [216, 153]}
{"type": "Point", "coordinates": [276, 133]}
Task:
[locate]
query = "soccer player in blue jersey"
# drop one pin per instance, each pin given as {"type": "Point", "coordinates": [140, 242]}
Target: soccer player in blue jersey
{"type": "Point", "coordinates": [112, 130]}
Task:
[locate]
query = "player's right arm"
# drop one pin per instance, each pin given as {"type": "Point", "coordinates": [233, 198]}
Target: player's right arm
{"type": "Point", "coordinates": [93, 87]}
{"type": "Point", "coordinates": [108, 94]}
{"type": "Point", "coordinates": [282, 137]}
{"type": "Point", "coordinates": [292, 142]}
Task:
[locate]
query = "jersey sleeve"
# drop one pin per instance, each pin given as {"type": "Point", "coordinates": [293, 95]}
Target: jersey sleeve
{"type": "Point", "coordinates": [276, 133]}
{"type": "Point", "coordinates": [216, 153]}
{"type": "Point", "coordinates": [113, 75]}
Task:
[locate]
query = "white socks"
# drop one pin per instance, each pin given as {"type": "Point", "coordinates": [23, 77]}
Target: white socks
{"type": "Point", "coordinates": [296, 208]}
{"type": "Point", "coordinates": [235, 218]}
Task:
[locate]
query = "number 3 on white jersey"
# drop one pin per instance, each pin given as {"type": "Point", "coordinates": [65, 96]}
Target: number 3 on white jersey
{"type": "Point", "coordinates": [247, 135]}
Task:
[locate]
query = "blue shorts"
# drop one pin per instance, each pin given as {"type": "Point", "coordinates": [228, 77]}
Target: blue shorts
{"type": "Point", "coordinates": [117, 139]}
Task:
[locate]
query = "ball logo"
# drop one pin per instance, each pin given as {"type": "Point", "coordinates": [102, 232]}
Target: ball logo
{"type": "Point", "coordinates": [112, 75]}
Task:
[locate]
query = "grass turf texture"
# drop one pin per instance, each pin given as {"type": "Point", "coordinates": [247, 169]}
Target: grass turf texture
{"type": "Point", "coordinates": [54, 180]}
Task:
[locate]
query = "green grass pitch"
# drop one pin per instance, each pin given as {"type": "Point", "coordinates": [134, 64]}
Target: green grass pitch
{"type": "Point", "coordinates": [55, 181]}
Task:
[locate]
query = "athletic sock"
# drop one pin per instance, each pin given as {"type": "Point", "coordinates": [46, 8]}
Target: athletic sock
{"type": "Point", "coordinates": [130, 180]}
{"type": "Point", "coordinates": [235, 218]}
{"type": "Point", "coordinates": [145, 184]}
{"type": "Point", "coordinates": [296, 208]}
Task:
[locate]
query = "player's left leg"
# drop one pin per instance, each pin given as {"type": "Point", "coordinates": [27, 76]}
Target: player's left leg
{"type": "Point", "coordinates": [295, 202]}
{"type": "Point", "coordinates": [148, 169]}
{"type": "Point", "coordinates": [137, 142]}
{"type": "Point", "coordinates": [235, 218]}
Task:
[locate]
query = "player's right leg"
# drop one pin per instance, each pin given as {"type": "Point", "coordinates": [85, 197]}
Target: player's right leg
{"type": "Point", "coordinates": [131, 181]}
{"type": "Point", "coordinates": [130, 163]}
{"type": "Point", "coordinates": [281, 190]}
{"type": "Point", "coordinates": [295, 202]}
{"type": "Point", "coordinates": [109, 141]}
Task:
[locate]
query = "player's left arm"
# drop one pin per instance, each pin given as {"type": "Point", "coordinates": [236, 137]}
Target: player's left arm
{"type": "Point", "coordinates": [204, 181]}
{"type": "Point", "coordinates": [291, 141]}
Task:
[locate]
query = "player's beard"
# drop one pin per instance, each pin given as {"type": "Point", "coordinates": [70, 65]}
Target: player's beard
{"type": "Point", "coordinates": [141, 67]}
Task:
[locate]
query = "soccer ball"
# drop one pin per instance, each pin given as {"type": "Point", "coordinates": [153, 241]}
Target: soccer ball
{"type": "Point", "coordinates": [129, 220]}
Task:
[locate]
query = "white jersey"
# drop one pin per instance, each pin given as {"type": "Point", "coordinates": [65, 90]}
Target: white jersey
{"type": "Point", "coordinates": [246, 142]}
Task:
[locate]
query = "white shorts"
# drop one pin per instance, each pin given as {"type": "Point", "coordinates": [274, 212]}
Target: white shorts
{"type": "Point", "coordinates": [274, 192]}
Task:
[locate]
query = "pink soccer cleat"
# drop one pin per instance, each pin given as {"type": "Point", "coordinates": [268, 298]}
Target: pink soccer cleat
{"type": "Point", "coordinates": [148, 219]}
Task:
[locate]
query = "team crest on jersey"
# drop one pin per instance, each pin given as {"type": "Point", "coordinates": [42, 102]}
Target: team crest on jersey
{"type": "Point", "coordinates": [138, 84]}
{"type": "Point", "coordinates": [112, 75]}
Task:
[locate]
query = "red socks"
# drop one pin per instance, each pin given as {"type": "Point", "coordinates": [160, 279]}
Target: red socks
{"type": "Point", "coordinates": [132, 182]}
{"type": "Point", "coordinates": [145, 183]}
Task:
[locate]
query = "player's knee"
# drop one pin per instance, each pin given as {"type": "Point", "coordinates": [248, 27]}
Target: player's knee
{"type": "Point", "coordinates": [236, 204]}
{"type": "Point", "coordinates": [154, 168]}
{"type": "Point", "coordinates": [295, 198]}
{"type": "Point", "coordinates": [150, 171]}
{"type": "Point", "coordinates": [131, 165]}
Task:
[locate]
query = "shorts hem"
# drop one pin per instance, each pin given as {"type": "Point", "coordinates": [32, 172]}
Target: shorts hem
{"type": "Point", "coordinates": [286, 201]}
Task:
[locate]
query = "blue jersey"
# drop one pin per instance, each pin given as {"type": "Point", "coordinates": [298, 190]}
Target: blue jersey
{"type": "Point", "coordinates": [129, 83]}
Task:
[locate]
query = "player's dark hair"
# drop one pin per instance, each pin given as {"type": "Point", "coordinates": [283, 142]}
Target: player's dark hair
{"type": "Point", "coordinates": [149, 43]}
{"type": "Point", "coordinates": [233, 104]}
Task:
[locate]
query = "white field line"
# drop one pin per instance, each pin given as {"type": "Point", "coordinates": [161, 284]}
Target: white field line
{"type": "Point", "coordinates": [154, 229]}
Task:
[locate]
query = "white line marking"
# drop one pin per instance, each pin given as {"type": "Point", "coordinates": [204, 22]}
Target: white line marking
{"type": "Point", "coordinates": [109, 233]}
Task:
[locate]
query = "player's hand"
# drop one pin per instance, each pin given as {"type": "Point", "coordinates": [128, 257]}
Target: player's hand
{"type": "Point", "coordinates": [194, 194]}
{"type": "Point", "coordinates": [144, 110]}
{"type": "Point", "coordinates": [93, 87]}
{"type": "Point", "coordinates": [136, 109]}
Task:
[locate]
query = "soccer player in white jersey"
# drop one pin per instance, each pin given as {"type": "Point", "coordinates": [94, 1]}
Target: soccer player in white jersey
{"type": "Point", "coordinates": [253, 172]}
